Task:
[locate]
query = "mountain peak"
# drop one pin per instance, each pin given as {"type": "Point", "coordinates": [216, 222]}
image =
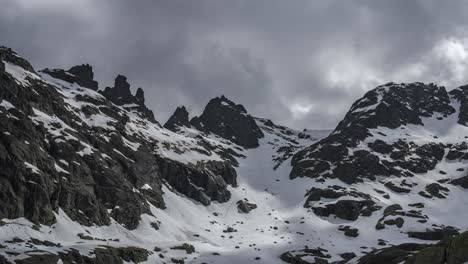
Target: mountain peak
{"type": "Point", "coordinates": [229, 120]}
{"type": "Point", "coordinates": [179, 118]}
{"type": "Point", "coordinates": [386, 107]}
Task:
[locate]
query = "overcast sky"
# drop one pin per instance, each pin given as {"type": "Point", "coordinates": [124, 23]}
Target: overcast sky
{"type": "Point", "coordinates": [299, 63]}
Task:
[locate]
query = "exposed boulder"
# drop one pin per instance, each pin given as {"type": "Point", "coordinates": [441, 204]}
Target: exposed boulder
{"type": "Point", "coordinates": [189, 249]}
{"type": "Point", "coordinates": [349, 231]}
{"type": "Point", "coordinates": [243, 206]}
{"type": "Point", "coordinates": [230, 121]}
{"type": "Point", "coordinates": [121, 95]}
{"type": "Point", "coordinates": [39, 257]}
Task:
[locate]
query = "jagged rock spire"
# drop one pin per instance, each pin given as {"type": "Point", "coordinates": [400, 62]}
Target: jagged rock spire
{"type": "Point", "coordinates": [230, 121]}
{"type": "Point", "coordinates": [140, 96]}
{"type": "Point", "coordinates": [85, 76]}
{"type": "Point", "coordinates": [120, 94]}
{"type": "Point", "coordinates": [80, 74]}
{"type": "Point", "coordinates": [179, 118]}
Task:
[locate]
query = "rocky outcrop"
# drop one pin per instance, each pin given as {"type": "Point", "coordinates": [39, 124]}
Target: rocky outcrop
{"type": "Point", "coordinates": [230, 121]}
{"type": "Point", "coordinates": [244, 207]}
{"type": "Point", "coordinates": [306, 256]}
{"type": "Point", "coordinates": [121, 95]}
{"type": "Point", "coordinates": [349, 231]}
{"type": "Point", "coordinates": [180, 118]}
{"type": "Point", "coordinates": [83, 75]}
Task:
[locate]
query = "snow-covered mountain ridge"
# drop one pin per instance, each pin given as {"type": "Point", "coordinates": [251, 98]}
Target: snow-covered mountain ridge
{"type": "Point", "coordinates": [90, 176]}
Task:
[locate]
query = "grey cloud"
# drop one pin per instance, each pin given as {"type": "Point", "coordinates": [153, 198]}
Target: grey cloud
{"type": "Point", "coordinates": [301, 63]}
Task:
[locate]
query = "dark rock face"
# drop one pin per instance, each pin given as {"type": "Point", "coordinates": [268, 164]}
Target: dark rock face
{"type": "Point", "coordinates": [203, 183]}
{"type": "Point", "coordinates": [178, 119]}
{"type": "Point", "coordinates": [121, 95]}
{"type": "Point", "coordinates": [80, 74]}
{"type": "Point", "coordinates": [230, 121]}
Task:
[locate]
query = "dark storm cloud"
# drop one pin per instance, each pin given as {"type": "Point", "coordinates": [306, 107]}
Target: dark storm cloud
{"type": "Point", "coordinates": [301, 63]}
